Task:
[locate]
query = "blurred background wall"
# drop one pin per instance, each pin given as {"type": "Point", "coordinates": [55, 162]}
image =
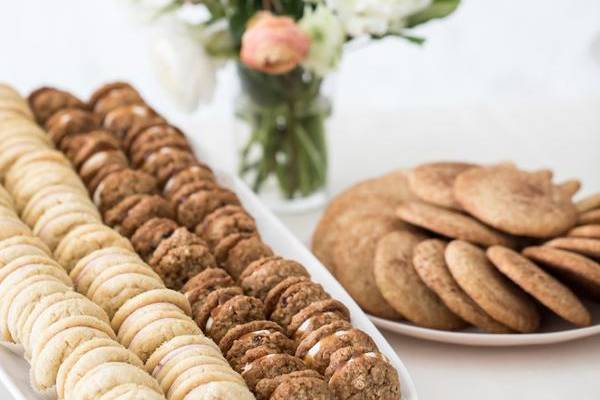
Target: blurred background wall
{"type": "Point", "coordinates": [498, 80]}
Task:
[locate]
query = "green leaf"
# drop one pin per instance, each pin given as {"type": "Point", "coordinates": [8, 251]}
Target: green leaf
{"type": "Point", "coordinates": [437, 9]}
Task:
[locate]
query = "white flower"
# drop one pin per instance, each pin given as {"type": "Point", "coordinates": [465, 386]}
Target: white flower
{"type": "Point", "coordinates": [327, 36]}
{"type": "Point", "coordinates": [184, 68]}
{"type": "Point", "coordinates": [374, 17]}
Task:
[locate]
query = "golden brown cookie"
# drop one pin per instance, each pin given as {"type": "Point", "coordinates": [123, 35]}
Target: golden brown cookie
{"type": "Point", "coordinates": [585, 246]}
{"type": "Point", "coordinates": [434, 182]}
{"type": "Point", "coordinates": [373, 197]}
{"type": "Point", "coordinates": [542, 286]}
{"type": "Point", "coordinates": [430, 264]}
{"type": "Point", "coordinates": [451, 224]}
{"type": "Point", "coordinates": [578, 270]}
{"type": "Point", "coordinates": [586, 231]}
{"type": "Point", "coordinates": [515, 201]}
{"type": "Point", "coordinates": [589, 217]}
{"type": "Point", "coordinates": [588, 203]}
{"type": "Point", "coordinates": [354, 253]}
{"type": "Point", "coordinates": [400, 285]}
{"type": "Point", "coordinates": [503, 301]}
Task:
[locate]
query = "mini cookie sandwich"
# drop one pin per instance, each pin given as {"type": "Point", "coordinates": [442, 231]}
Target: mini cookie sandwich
{"type": "Point", "coordinates": [57, 222]}
{"type": "Point", "coordinates": [107, 376]}
{"type": "Point", "coordinates": [100, 165]}
{"type": "Point", "coordinates": [11, 226]}
{"type": "Point", "coordinates": [238, 331]}
{"type": "Point", "coordinates": [152, 139]}
{"type": "Point", "coordinates": [150, 337]}
{"type": "Point", "coordinates": [401, 286]}
{"type": "Point", "coordinates": [130, 214]}
{"type": "Point", "coordinates": [109, 273]}
{"type": "Point", "coordinates": [181, 256]}
{"type": "Point", "coordinates": [224, 222]}
{"type": "Point", "coordinates": [53, 308]}
{"type": "Point", "coordinates": [19, 246]}
{"type": "Point", "coordinates": [89, 358]}
{"type": "Point", "coordinates": [85, 239]}
{"type": "Point", "coordinates": [198, 293]}
{"type": "Point", "coordinates": [588, 203]}
{"type": "Point", "coordinates": [515, 201]}
{"type": "Point", "coordinates": [167, 161]}
{"type": "Point", "coordinates": [24, 301]}
{"type": "Point", "coordinates": [355, 250]}
{"type": "Point", "coordinates": [316, 315]}
{"type": "Point", "coordinates": [79, 148]}
{"type": "Point", "coordinates": [330, 338]}
{"type": "Point", "coordinates": [275, 293]}
{"type": "Point", "coordinates": [451, 224]}
{"type": "Point", "coordinates": [113, 95]}
{"type": "Point", "coordinates": [366, 375]}
{"type": "Point", "coordinates": [498, 297]}
{"type": "Point", "coordinates": [157, 296]}
{"type": "Point", "coordinates": [238, 251]}
{"type": "Point", "coordinates": [47, 360]}
{"type": "Point", "coordinates": [144, 316]}
{"type": "Point", "coordinates": [129, 119]}
{"type": "Point", "coordinates": [294, 299]}
{"type": "Point", "coordinates": [15, 147]}
{"type": "Point", "coordinates": [45, 101]}
{"type": "Point", "coordinates": [542, 286]}
{"type": "Point", "coordinates": [148, 236]}
{"type": "Point", "coordinates": [270, 366]}
{"type": "Point", "coordinates": [192, 209]}
{"type": "Point", "coordinates": [434, 182]}
{"type": "Point", "coordinates": [254, 345]}
{"type": "Point", "coordinates": [202, 309]}
{"type": "Point", "coordinates": [209, 277]}
{"type": "Point", "coordinates": [197, 172]}
{"type": "Point", "coordinates": [264, 274]}
{"type": "Point", "coordinates": [237, 310]}
{"type": "Point", "coordinates": [591, 231]}
{"type": "Point", "coordinates": [192, 344]}
{"type": "Point", "coordinates": [430, 265]}
{"type": "Point", "coordinates": [121, 184]}
{"type": "Point", "coordinates": [578, 270]}
{"type": "Point", "coordinates": [220, 390]}
{"type": "Point", "coordinates": [265, 387]}
{"type": "Point", "coordinates": [44, 156]}
{"type": "Point", "coordinates": [50, 197]}
{"type": "Point", "coordinates": [114, 292]}
{"type": "Point", "coordinates": [63, 373]}
{"type": "Point", "coordinates": [12, 104]}
{"type": "Point", "coordinates": [68, 122]}
{"type": "Point", "coordinates": [585, 246]}
{"type": "Point", "coordinates": [200, 375]}
{"type": "Point", "coordinates": [88, 268]}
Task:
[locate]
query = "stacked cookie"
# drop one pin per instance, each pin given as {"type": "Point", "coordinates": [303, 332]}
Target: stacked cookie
{"type": "Point", "coordinates": [103, 265]}
{"type": "Point", "coordinates": [66, 337]}
{"type": "Point", "coordinates": [236, 282]}
{"type": "Point", "coordinates": [443, 244]}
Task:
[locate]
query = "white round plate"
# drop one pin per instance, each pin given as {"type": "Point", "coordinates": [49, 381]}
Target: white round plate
{"type": "Point", "coordinates": [553, 330]}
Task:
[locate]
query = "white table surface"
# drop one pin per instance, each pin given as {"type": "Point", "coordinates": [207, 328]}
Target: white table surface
{"type": "Point", "coordinates": [501, 80]}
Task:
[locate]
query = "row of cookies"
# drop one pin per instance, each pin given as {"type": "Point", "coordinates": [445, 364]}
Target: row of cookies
{"type": "Point", "coordinates": [189, 254]}
{"type": "Point", "coordinates": [232, 235]}
{"type": "Point", "coordinates": [185, 253]}
{"type": "Point", "coordinates": [449, 286]}
{"type": "Point", "coordinates": [66, 337]}
{"type": "Point", "coordinates": [173, 238]}
{"type": "Point", "coordinates": [105, 268]}
{"type": "Point", "coordinates": [283, 285]}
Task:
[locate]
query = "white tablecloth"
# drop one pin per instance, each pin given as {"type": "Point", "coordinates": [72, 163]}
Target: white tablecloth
{"type": "Point", "coordinates": [501, 80]}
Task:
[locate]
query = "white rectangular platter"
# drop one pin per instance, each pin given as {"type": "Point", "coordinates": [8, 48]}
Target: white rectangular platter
{"type": "Point", "coordinates": [14, 370]}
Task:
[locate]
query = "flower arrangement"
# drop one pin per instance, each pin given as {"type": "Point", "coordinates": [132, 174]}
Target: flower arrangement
{"type": "Point", "coordinates": [283, 49]}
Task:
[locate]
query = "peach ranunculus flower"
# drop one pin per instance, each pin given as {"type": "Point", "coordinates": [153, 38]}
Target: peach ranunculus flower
{"type": "Point", "coordinates": [273, 44]}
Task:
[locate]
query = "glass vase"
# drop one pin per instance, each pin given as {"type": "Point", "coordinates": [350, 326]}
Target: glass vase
{"type": "Point", "coordinates": [281, 138]}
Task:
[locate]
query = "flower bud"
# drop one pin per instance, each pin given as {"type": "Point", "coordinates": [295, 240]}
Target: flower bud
{"type": "Point", "coordinates": [273, 44]}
